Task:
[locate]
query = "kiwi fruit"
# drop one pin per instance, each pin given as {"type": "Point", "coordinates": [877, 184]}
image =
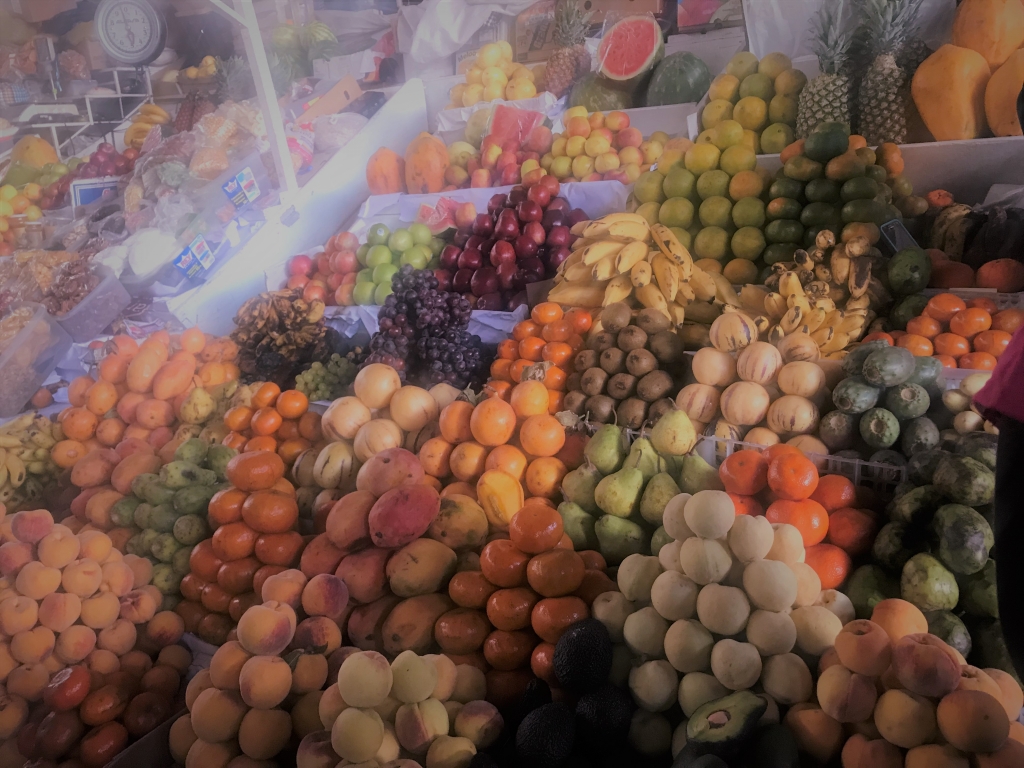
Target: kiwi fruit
{"type": "Point", "coordinates": [573, 382]}
{"type": "Point", "coordinates": [631, 413]}
{"type": "Point", "coordinates": [630, 338]}
{"type": "Point", "coordinates": [657, 409]}
{"type": "Point", "coordinates": [695, 335]}
{"type": "Point", "coordinates": [592, 382]}
{"type": "Point", "coordinates": [576, 402]}
{"type": "Point", "coordinates": [616, 316]}
{"type": "Point", "coordinates": [599, 342]}
{"type": "Point", "coordinates": [652, 321]}
{"type": "Point", "coordinates": [640, 362]}
{"type": "Point", "coordinates": [654, 386]}
{"type": "Point", "coordinates": [621, 385]}
{"type": "Point", "coordinates": [667, 346]}
{"type": "Point", "coordinates": [586, 358]}
{"type": "Point", "coordinates": [601, 408]}
{"type": "Point", "coordinates": [613, 361]}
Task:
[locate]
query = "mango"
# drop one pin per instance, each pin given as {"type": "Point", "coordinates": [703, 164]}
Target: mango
{"type": "Point", "coordinates": [410, 625]}
{"type": "Point", "coordinates": [402, 515]}
{"type": "Point", "coordinates": [421, 567]}
{"type": "Point", "coordinates": [460, 523]}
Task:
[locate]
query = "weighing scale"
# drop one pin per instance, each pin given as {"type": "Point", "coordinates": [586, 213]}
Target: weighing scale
{"type": "Point", "coordinates": [130, 31]}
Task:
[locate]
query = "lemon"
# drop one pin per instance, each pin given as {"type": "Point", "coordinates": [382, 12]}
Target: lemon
{"type": "Point", "coordinates": [649, 188]}
{"type": "Point", "coordinates": [776, 137]}
{"type": "Point", "coordinates": [489, 55]}
{"type": "Point", "coordinates": [774, 64]}
{"type": "Point", "coordinates": [752, 140]}
{"type": "Point", "coordinates": [724, 87]}
{"type": "Point", "coordinates": [757, 85]}
{"type": "Point", "coordinates": [676, 212]}
{"type": "Point", "coordinates": [706, 136]}
{"type": "Point", "coordinates": [701, 157]}
{"type": "Point", "coordinates": [508, 67]}
{"type": "Point", "coordinates": [715, 112]}
{"type": "Point", "coordinates": [748, 212]}
{"type": "Point", "coordinates": [715, 212]}
{"type": "Point", "coordinates": [711, 243]}
{"type": "Point", "coordinates": [520, 88]}
{"type": "Point", "coordinates": [738, 158]}
{"type": "Point", "coordinates": [742, 64]}
{"type": "Point", "coordinates": [473, 94]}
{"type": "Point", "coordinates": [650, 212]}
{"type": "Point", "coordinates": [494, 76]}
{"type": "Point", "coordinates": [493, 91]}
{"type": "Point", "coordinates": [790, 82]}
{"type": "Point", "coordinates": [748, 243]}
{"type": "Point", "coordinates": [726, 134]}
{"type": "Point", "coordinates": [682, 236]}
{"type": "Point", "coordinates": [524, 72]}
{"type": "Point", "coordinates": [740, 272]}
{"type": "Point", "coordinates": [474, 76]}
{"type": "Point", "coordinates": [455, 94]}
{"type": "Point", "coordinates": [713, 184]}
{"type": "Point", "coordinates": [679, 183]}
{"type": "Point", "coordinates": [506, 49]}
{"type": "Point", "coordinates": [752, 113]}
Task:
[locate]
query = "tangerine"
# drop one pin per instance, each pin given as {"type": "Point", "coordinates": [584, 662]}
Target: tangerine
{"type": "Point", "coordinates": [923, 325]}
{"type": "Point", "coordinates": [233, 541]}
{"type": "Point", "coordinates": [535, 528]}
{"type": "Point", "coordinates": [225, 507]}
{"type": "Point", "coordinates": [1008, 320]}
{"type": "Point", "coordinates": [266, 395]}
{"type": "Point", "coordinates": [501, 369]}
{"type": "Point", "coordinates": [919, 346]}
{"type": "Point", "coordinates": [946, 360]}
{"type": "Point", "coordinates": [834, 492]}
{"type": "Point", "coordinates": [265, 421]}
{"type": "Point", "coordinates": [993, 342]}
{"type": "Point", "coordinates": [508, 349]}
{"type": "Point", "coordinates": [580, 319]}
{"type": "Point", "coordinates": [531, 349]}
{"type": "Point", "coordinates": [744, 472]}
{"type": "Point", "coordinates": [260, 443]}
{"type": "Point", "coordinates": [879, 336]}
{"type": "Point", "coordinates": [746, 505]}
{"type": "Point", "coordinates": [237, 419]}
{"type": "Point", "coordinates": [830, 562]}
{"type": "Point", "coordinates": [970, 322]}
{"type": "Point", "coordinates": [977, 361]}
{"type": "Point", "coordinates": [525, 329]}
{"type": "Point", "coordinates": [546, 312]}
{"type": "Point", "coordinates": [291, 404]}
{"type": "Point", "coordinates": [943, 306]}
{"type": "Point", "coordinates": [952, 345]}
{"type": "Point", "coordinates": [985, 303]}
{"type": "Point", "coordinates": [557, 331]}
{"type": "Point", "coordinates": [792, 476]}
{"type": "Point", "coordinates": [852, 530]}
{"type": "Point", "coordinates": [557, 352]}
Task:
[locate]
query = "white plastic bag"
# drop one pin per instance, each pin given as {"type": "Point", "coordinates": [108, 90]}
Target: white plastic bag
{"type": "Point", "coordinates": [332, 132]}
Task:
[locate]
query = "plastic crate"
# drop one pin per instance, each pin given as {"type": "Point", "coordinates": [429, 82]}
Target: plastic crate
{"type": "Point", "coordinates": [97, 310]}
{"type": "Point", "coordinates": [30, 357]}
{"type": "Point", "coordinates": [1002, 300]}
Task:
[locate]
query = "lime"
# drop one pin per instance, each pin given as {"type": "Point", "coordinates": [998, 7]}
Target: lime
{"type": "Point", "coordinates": [774, 64]}
{"type": "Point", "coordinates": [713, 184]}
{"type": "Point", "coordinates": [748, 212]}
{"type": "Point", "coordinates": [757, 85]}
{"type": "Point", "coordinates": [726, 87]}
{"type": "Point", "coordinates": [782, 109]}
{"type": "Point", "coordinates": [776, 137]}
{"type": "Point", "coordinates": [362, 294]}
{"type": "Point", "coordinates": [751, 112]}
{"type": "Point", "coordinates": [648, 188]}
{"type": "Point", "coordinates": [715, 112]}
{"type": "Point", "coordinates": [738, 158]}
{"type": "Point", "coordinates": [414, 257]}
{"type": "Point", "coordinates": [701, 157]}
{"type": "Point", "coordinates": [379, 254]}
{"type": "Point", "coordinates": [747, 243]}
{"type": "Point", "coordinates": [650, 211]}
{"type": "Point", "coordinates": [436, 245]}
{"type": "Point", "coordinates": [420, 233]}
{"type": "Point", "coordinates": [384, 272]}
{"type": "Point", "coordinates": [400, 240]}
{"type": "Point", "coordinates": [742, 65]}
{"type": "Point", "coordinates": [789, 82]}
{"type": "Point", "coordinates": [716, 212]}
{"type": "Point", "coordinates": [679, 183]}
{"type": "Point", "coordinates": [378, 234]}
{"type": "Point", "coordinates": [676, 212]}
{"type": "Point", "coordinates": [711, 243]}
{"type": "Point", "coordinates": [682, 236]}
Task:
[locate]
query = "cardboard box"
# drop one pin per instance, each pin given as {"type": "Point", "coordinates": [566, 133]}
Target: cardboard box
{"type": "Point", "coordinates": [94, 54]}
{"type": "Point", "coordinates": [339, 96]}
{"type": "Point", "coordinates": [535, 33]}
{"type": "Point", "coordinates": [609, 9]}
{"type": "Point", "coordinates": [35, 11]}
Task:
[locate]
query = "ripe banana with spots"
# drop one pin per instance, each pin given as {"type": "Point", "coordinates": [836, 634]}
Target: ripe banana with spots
{"type": "Point", "coordinates": [26, 466]}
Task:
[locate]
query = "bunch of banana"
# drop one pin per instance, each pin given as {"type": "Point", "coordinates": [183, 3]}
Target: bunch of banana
{"type": "Point", "coordinates": [148, 117]}
{"type": "Point", "coordinates": [949, 230]}
{"type": "Point", "coordinates": [25, 464]}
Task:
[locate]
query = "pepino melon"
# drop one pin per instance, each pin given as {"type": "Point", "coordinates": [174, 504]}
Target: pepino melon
{"type": "Point", "coordinates": [630, 49]}
{"type": "Point", "coordinates": [681, 78]}
{"type": "Point", "coordinates": [599, 95]}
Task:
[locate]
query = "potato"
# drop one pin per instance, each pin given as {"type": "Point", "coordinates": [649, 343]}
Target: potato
{"type": "Point", "coordinates": [636, 576]}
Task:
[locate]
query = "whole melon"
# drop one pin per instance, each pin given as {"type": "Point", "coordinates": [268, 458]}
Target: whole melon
{"type": "Point", "coordinates": [599, 95]}
{"type": "Point", "coordinates": [33, 151]}
{"type": "Point", "coordinates": [681, 78]}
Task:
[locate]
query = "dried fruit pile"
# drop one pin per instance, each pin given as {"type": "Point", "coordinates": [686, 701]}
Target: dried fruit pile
{"type": "Point", "coordinates": [278, 334]}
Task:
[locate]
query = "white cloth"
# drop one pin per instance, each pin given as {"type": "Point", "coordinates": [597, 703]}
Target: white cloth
{"type": "Point", "coordinates": [438, 28]}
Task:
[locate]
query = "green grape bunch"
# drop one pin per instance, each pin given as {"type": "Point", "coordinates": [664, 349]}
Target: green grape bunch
{"type": "Point", "coordinates": [326, 382]}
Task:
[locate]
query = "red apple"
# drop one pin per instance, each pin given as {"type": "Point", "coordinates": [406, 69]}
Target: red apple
{"type": "Point", "coordinates": [489, 157]}
{"type": "Point", "coordinates": [484, 280]}
{"type": "Point", "coordinates": [444, 279]}
{"type": "Point", "coordinates": [535, 231]}
{"type": "Point", "coordinates": [551, 183]}
{"type": "Point", "coordinates": [510, 174]}
{"type": "Point", "coordinates": [300, 265]}
{"type": "Point", "coordinates": [507, 274]}
{"type": "Point", "coordinates": [539, 194]}
{"type": "Point", "coordinates": [532, 177]}
{"type": "Point", "coordinates": [481, 178]}
{"type": "Point", "coordinates": [490, 302]}
{"type": "Point", "coordinates": [511, 146]}
{"type": "Point", "coordinates": [460, 282]}
{"type": "Point", "coordinates": [507, 225]}
{"type": "Point", "coordinates": [449, 257]}
{"type": "Point", "coordinates": [528, 210]}
{"type": "Point", "coordinates": [483, 225]}
{"type": "Point", "coordinates": [502, 253]}
{"type": "Point", "coordinates": [334, 280]}
{"type": "Point", "coordinates": [497, 203]}
{"type": "Point", "coordinates": [558, 237]}
{"type": "Point", "coordinates": [344, 262]}
{"type": "Point", "coordinates": [525, 246]}
{"type": "Point", "coordinates": [470, 259]}
{"type": "Point", "coordinates": [465, 214]}
{"type": "Point", "coordinates": [349, 277]}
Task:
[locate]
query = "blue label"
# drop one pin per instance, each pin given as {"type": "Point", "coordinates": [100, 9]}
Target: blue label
{"type": "Point", "coordinates": [242, 189]}
{"type": "Point", "coordinates": [195, 258]}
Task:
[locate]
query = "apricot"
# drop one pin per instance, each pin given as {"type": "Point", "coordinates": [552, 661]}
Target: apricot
{"type": "Point", "coordinates": [18, 614]}
{"type": "Point", "coordinates": [13, 714]}
{"type": "Point", "coordinates": [864, 647]}
{"type": "Point", "coordinates": [815, 732]}
{"type": "Point", "coordinates": [315, 750]}
{"type": "Point", "coordinates": [325, 595]}
{"type": "Point", "coordinates": [330, 706]}
{"type": "Point", "coordinates": [142, 569]}
{"type": "Point", "coordinates": [204, 754]}
{"type": "Point", "coordinates": [306, 714]}
{"type": "Point", "coordinates": [1012, 696]}
{"type": "Point", "coordinates": [165, 629]}
{"type": "Point", "coordinates": [898, 618]}
{"type": "Point", "coordinates": [100, 610]}
{"type": "Point", "coordinates": [102, 662]}
{"type": "Point", "coordinates": [7, 662]}
{"type": "Point", "coordinates": [263, 681]}
{"type": "Point", "coordinates": [317, 632]}
{"type": "Point", "coordinates": [74, 644]}
{"type": "Point", "coordinates": [266, 630]}
{"type": "Point", "coordinates": [974, 679]}
{"type": "Point", "coordinates": [32, 646]}
{"type": "Point", "coordinates": [36, 580]}
{"type": "Point", "coordinates": [285, 587]}
{"type": "Point", "coordinates": [95, 545]}
{"type": "Point", "coordinates": [58, 548]}
{"type": "Point", "coordinates": [923, 666]}
{"type": "Point", "coordinates": [53, 664]}
{"type": "Point", "coordinates": [118, 638]}
{"type": "Point", "coordinates": [59, 610]}
{"type": "Point", "coordinates": [161, 680]}
{"type": "Point", "coordinates": [28, 681]}
{"type": "Point", "coordinates": [199, 683]}
{"type": "Point", "coordinates": [118, 577]}
{"type": "Point", "coordinates": [905, 719]}
{"type": "Point", "coordinates": [973, 721]}
{"type": "Point", "coordinates": [264, 732]}
{"type": "Point", "coordinates": [175, 656]}
{"type": "Point", "coordinates": [217, 714]}
{"type": "Point", "coordinates": [310, 673]}
{"type": "Point", "coordinates": [181, 738]}
{"type": "Point", "coordinates": [846, 696]}
{"type": "Point", "coordinates": [226, 665]}
{"type": "Point", "coordinates": [82, 577]}
{"type": "Point", "coordinates": [13, 556]}
{"type": "Point", "coordinates": [860, 752]}
{"type": "Point", "coordinates": [31, 525]}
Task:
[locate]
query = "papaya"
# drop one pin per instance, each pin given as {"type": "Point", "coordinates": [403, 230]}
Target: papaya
{"type": "Point", "coordinates": [1001, 96]}
{"type": "Point", "coordinates": [993, 28]}
{"type": "Point", "coordinates": [385, 172]}
{"type": "Point", "coordinates": [426, 160]}
{"type": "Point", "coordinates": [949, 92]}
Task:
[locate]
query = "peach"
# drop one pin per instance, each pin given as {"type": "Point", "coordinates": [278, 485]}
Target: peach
{"type": "Point", "coordinates": [161, 680]}
{"type": "Point", "coordinates": [446, 676]}
{"type": "Point", "coordinates": [264, 681]}
{"type": "Point", "coordinates": [330, 706]}
{"type": "Point", "coordinates": [82, 577]}
{"type": "Point", "coordinates": [450, 752]}
{"type": "Point", "coordinates": [142, 570]}
{"type": "Point", "coordinates": [417, 725]}
{"type": "Point", "coordinates": [306, 714]}
{"type": "Point", "coordinates": [36, 580]}
{"type": "Point", "coordinates": [197, 685]}
{"type": "Point", "coordinates": [176, 657]}
{"type": "Point", "coordinates": [75, 644]}
{"type": "Point", "coordinates": [59, 610]}
{"type": "Point", "coordinates": [347, 523]}
{"type": "Point", "coordinates": [470, 684]}
{"type": "Point", "coordinates": [480, 722]}
{"type": "Point", "coordinates": [922, 665]}
{"type": "Point", "coordinates": [935, 756]}
{"type": "Point", "coordinates": [310, 673]}
{"type": "Point", "coordinates": [905, 719]}
{"type": "Point", "coordinates": [325, 595]}
{"type": "Point", "coordinates": [828, 659]}
{"type": "Point", "coordinates": [139, 606]}
{"type": "Point", "coordinates": [96, 545]}
{"type": "Point", "coordinates": [266, 630]}
{"type": "Point", "coordinates": [165, 629]}
{"type": "Point", "coordinates": [846, 696]}
{"type": "Point", "coordinates": [974, 679]}
{"type": "Point", "coordinates": [973, 721]}
{"type": "Point", "coordinates": [264, 732]}
{"type": "Point", "coordinates": [1012, 696]}
{"type": "Point", "coordinates": [118, 577]}
{"type": "Point", "coordinates": [226, 665]}
{"type": "Point", "coordinates": [285, 587]}
{"type": "Point", "coordinates": [13, 714]}
{"type": "Point", "coordinates": [815, 732]}
{"type": "Point", "coordinates": [32, 646]}
{"type": "Point", "coordinates": [203, 754]}
{"type": "Point", "coordinates": [1010, 755]}
{"type": "Point", "coordinates": [217, 714]}
{"type": "Point", "coordinates": [7, 662]}
{"type": "Point", "coordinates": [365, 627]}
{"type": "Point", "coordinates": [315, 751]}
{"type": "Point", "coordinates": [317, 632]}
{"type": "Point", "coordinates": [153, 592]}
{"type": "Point", "coordinates": [859, 752]}
{"type": "Point", "coordinates": [181, 738]}
{"type": "Point", "coordinates": [320, 556]}
{"type": "Point", "coordinates": [53, 664]}
{"type": "Point", "coordinates": [31, 525]}
{"type": "Point", "coordinates": [864, 647]}
{"type": "Point", "coordinates": [336, 659]}
{"type": "Point", "coordinates": [118, 638]}
{"type": "Point", "coordinates": [58, 548]}
{"type": "Point", "coordinates": [28, 681]}
{"type": "Point", "coordinates": [14, 555]}
{"type": "Point", "coordinates": [365, 575]}
{"type": "Point", "coordinates": [898, 618]}
{"type": "Point", "coordinates": [103, 662]}
{"type": "Point", "coordinates": [100, 610]}
{"type": "Point", "coordinates": [136, 662]}
{"type": "Point", "coordinates": [388, 708]}
{"type": "Point", "coordinates": [18, 614]}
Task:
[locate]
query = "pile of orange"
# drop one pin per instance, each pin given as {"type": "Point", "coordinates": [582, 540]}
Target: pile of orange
{"type": "Point", "coordinates": [254, 537]}
{"type": "Point", "coordinates": [274, 421]}
{"type": "Point", "coordinates": [783, 485]}
{"type": "Point", "coordinates": [968, 334]}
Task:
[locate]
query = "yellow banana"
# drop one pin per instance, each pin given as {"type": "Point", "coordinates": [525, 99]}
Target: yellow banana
{"type": "Point", "coordinates": [669, 245]}
{"type": "Point", "coordinates": [834, 318]}
{"type": "Point", "coordinates": [678, 313]}
{"type": "Point", "coordinates": [3, 475]}
{"type": "Point", "coordinates": [814, 319]}
{"type": "Point", "coordinates": [824, 303]}
{"type": "Point", "coordinates": [619, 289]}
{"type": "Point", "coordinates": [600, 250]}
{"type": "Point", "coordinates": [685, 293]}
{"type": "Point", "coordinates": [7, 493]}
{"type": "Point", "coordinates": [724, 291]}
{"type": "Point", "coordinates": [839, 341]}
{"type": "Point", "coordinates": [154, 109]}
{"type": "Point", "coordinates": [792, 319]}
{"type": "Point", "coordinates": [763, 324]}
{"type": "Point", "coordinates": [776, 334]}
{"type": "Point", "coordinates": [650, 296]}
{"type": "Point", "coordinates": [605, 269]}
{"type": "Point", "coordinates": [789, 284]}
{"type": "Point", "coordinates": [9, 441]}
{"type": "Point", "coordinates": [615, 218]}
{"type": "Point", "coordinates": [703, 284]}
{"type": "Point", "coordinates": [775, 305]}
{"type": "Point", "coordinates": [58, 432]}
{"type": "Point", "coordinates": [579, 228]}
{"type": "Point", "coordinates": [589, 294]}
{"type": "Point", "coordinates": [18, 424]}
{"type": "Point", "coordinates": [578, 272]}
{"type": "Point", "coordinates": [3, 458]}
{"type": "Point", "coordinates": [836, 355]}
{"type": "Point", "coordinates": [16, 470]}
{"type": "Point", "coordinates": [667, 276]}
{"type": "Point", "coordinates": [630, 254]}
{"type": "Point", "coordinates": [852, 324]}
{"type": "Point", "coordinates": [858, 302]}
{"type": "Point", "coordinates": [823, 335]}
{"type": "Point", "coordinates": [42, 439]}
{"type": "Point", "coordinates": [641, 273]}
{"type": "Point", "coordinates": [798, 300]}
{"type": "Point", "coordinates": [631, 230]}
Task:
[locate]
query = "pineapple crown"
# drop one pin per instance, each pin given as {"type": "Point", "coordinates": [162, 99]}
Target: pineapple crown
{"type": "Point", "coordinates": [831, 43]}
{"type": "Point", "coordinates": [571, 23]}
{"type": "Point", "coordinates": [886, 24]}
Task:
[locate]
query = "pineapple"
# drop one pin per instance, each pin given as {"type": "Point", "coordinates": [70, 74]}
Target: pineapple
{"type": "Point", "coordinates": [826, 98]}
{"type": "Point", "coordinates": [234, 80]}
{"type": "Point", "coordinates": [882, 98]}
{"type": "Point", "coordinates": [571, 60]}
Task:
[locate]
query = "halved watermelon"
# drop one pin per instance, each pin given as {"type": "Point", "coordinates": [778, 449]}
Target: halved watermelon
{"type": "Point", "coordinates": [440, 218]}
{"type": "Point", "coordinates": [630, 49]}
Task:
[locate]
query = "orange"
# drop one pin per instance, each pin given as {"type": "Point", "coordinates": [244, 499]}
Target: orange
{"type": "Point", "coordinates": [234, 440]}
{"type": "Point", "coordinates": [880, 336]}
{"type": "Point", "coordinates": [772, 452]}
{"type": "Point", "coordinates": [952, 345]}
{"type": "Point", "coordinates": [508, 349]}
{"type": "Point", "coordinates": [493, 422]}
{"type": "Point", "coordinates": [1008, 320]}
{"type": "Point", "coordinates": [834, 492]}
{"type": "Point", "coordinates": [852, 530]}
{"type": "Point", "coordinates": [943, 306]}
{"type": "Point", "coordinates": [517, 370]}
{"type": "Point", "coordinates": [260, 443]}
{"type": "Point", "coordinates": [502, 389]}
{"type": "Point", "coordinates": [557, 352]}
{"type": "Point", "coordinates": [309, 426]}
{"type": "Point", "coordinates": [546, 312]}
{"type": "Point", "coordinates": [291, 404]}
{"type": "Point", "coordinates": [925, 326]}
{"type": "Point", "coordinates": [542, 435]}
{"type": "Point", "coordinates": [544, 477]}
{"type": "Point", "coordinates": [530, 398]}
{"type": "Point", "coordinates": [525, 329]}
{"type": "Point", "coordinates": [970, 322]}
{"type": "Point", "coordinates": [558, 331]}
{"type": "Point", "coordinates": [266, 395]}
{"type": "Point", "coordinates": [744, 472]}
{"type": "Point", "coordinates": [830, 563]}
{"type": "Point", "coordinates": [984, 303]}
{"type": "Point", "coordinates": [531, 349]}
{"type": "Point", "coordinates": [807, 516]}
{"type": "Point", "coordinates": [919, 346]}
{"type": "Point", "coordinates": [290, 449]}
{"type": "Point", "coordinates": [500, 369]}
{"type": "Point", "coordinates": [555, 378]}
{"type": "Point", "coordinates": [454, 422]}
{"type": "Point", "coordinates": [746, 505]}
{"type": "Point", "coordinates": [237, 419]}
{"type": "Point", "coordinates": [289, 430]}
{"type": "Point", "coordinates": [977, 361]}
{"type": "Point", "coordinates": [556, 402]}
{"type": "Point", "coordinates": [580, 319]}
{"type": "Point", "coordinates": [946, 360]}
{"type": "Point", "coordinates": [792, 476]}
{"type": "Point", "coordinates": [265, 421]}
{"type": "Point", "coordinates": [508, 459]}
{"type": "Point", "coordinates": [993, 342]}
{"type": "Point", "coordinates": [192, 340]}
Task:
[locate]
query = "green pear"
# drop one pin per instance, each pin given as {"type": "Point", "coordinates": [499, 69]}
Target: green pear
{"type": "Point", "coordinates": [619, 493]}
{"type": "Point", "coordinates": [643, 456]}
{"type": "Point", "coordinates": [659, 539]}
{"type": "Point", "coordinates": [697, 475]}
{"type": "Point", "coordinates": [674, 434]}
{"type": "Point", "coordinates": [605, 449]}
{"type": "Point", "coordinates": [578, 487]}
{"type": "Point", "coordinates": [579, 525]}
{"type": "Point", "coordinates": [659, 491]}
{"type": "Point", "coordinates": [619, 538]}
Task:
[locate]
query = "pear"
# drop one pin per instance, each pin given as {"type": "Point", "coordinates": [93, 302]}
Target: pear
{"type": "Point", "coordinates": [697, 475]}
{"type": "Point", "coordinates": [579, 525]}
{"type": "Point", "coordinates": [643, 456]}
{"type": "Point", "coordinates": [659, 539]}
{"type": "Point", "coordinates": [619, 493]}
{"type": "Point", "coordinates": [619, 538]}
{"type": "Point", "coordinates": [578, 487]}
{"type": "Point", "coordinates": [660, 489]}
{"type": "Point", "coordinates": [605, 449]}
{"type": "Point", "coordinates": [674, 434]}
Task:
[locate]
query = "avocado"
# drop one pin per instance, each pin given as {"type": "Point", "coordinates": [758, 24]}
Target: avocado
{"type": "Point", "coordinates": [603, 718]}
{"type": "Point", "coordinates": [723, 727]}
{"type": "Point", "coordinates": [868, 586]}
{"type": "Point", "coordinates": [964, 537]}
{"type": "Point", "coordinates": [950, 630]}
{"type": "Point", "coordinates": [546, 736]}
{"type": "Point", "coordinates": [773, 746]}
{"type": "Point", "coordinates": [583, 656]}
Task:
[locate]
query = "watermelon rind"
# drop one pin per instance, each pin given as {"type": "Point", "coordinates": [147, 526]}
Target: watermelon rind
{"type": "Point", "coordinates": [599, 95]}
{"type": "Point", "coordinates": [622, 39]}
{"type": "Point", "coordinates": [681, 78]}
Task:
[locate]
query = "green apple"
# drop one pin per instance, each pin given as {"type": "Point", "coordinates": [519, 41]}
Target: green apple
{"type": "Point", "coordinates": [420, 233]}
{"type": "Point", "coordinates": [384, 273]}
{"type": "Point", "coordinates": [364, 275]}
{"type": "Point", "coordinates": [383, 291]}
{"type": "Point", "coordinates": [363, 293]}
{"type": "Point", "coordinates": [379, 254]}
{"type": "Point", "coordinates": [378, 234]}
{"type": "Point", "coordinates": [415, 258]}
{"type": "Point", "coordinates": [436, 246]}
{"type": "Point", "coordinates": [361, 252]}
{"type": "Point", "coordinates": [400, 240]}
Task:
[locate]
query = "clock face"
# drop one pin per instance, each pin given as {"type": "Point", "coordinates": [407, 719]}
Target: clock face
{"type": "Point", "coordinates": [130, 30]}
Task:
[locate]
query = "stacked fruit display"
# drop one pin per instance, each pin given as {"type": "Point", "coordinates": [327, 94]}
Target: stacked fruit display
{"type": "Point", "coordinates": [496, 162]}
{"type": "Point", "coordinates": [27, 461]}
{"type": "Point", "coordinates": [273, 421]}
{"type": "Point", "coordinates": [959, 403]}
{"type": "Point", "coordinates": [494, 75]}
{"type": "Point", "coordinates": [104, 162]}
{"type": "Point", "coordinates": [911, 691]}
{"type": "Point", "coordinates": [762, 96]}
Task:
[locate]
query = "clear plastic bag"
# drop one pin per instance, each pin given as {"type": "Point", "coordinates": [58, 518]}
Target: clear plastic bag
{"type": "Point", "coordinates": [332, 132]}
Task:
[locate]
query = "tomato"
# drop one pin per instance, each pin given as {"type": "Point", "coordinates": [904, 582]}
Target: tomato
{"type": "Point", "coordinates": [102, 744]}
{"type": "Point", "coordinates": [67, 689]}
